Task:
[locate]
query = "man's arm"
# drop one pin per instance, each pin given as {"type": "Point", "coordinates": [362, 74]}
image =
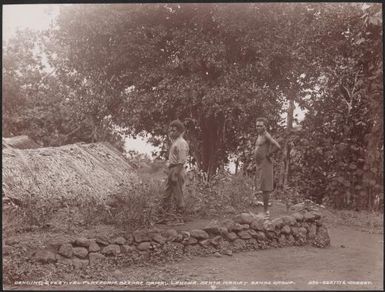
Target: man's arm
{"type": "Point", "coordinates": [273, 142]}
{"type": "Point", "coordinates": [181, 152]}
{"type": "Point", "coordinates": [176, 171]}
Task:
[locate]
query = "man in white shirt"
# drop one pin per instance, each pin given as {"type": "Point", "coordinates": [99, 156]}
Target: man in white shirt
{"type": "Point", "coordinates": [176, 174]}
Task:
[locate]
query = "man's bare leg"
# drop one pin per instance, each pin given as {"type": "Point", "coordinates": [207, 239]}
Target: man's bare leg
{"type": "Point", "coordinates": [266, 196]}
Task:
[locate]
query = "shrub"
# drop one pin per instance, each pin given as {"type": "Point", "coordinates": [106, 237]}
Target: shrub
{"type": "Point", "coordinates": [223, 194]}
{"type": "Point", "coordinates": [127, 208]}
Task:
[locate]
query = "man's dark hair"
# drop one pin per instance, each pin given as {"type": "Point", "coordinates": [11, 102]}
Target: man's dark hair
{"type": "Point", "coordinates": [179, 125]}
{"type": "Point", "coordinates": [261, 119]}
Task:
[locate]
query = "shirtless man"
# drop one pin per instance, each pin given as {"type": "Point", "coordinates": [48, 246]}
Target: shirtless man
{"type": "Point", "coordinates": [265, 146]}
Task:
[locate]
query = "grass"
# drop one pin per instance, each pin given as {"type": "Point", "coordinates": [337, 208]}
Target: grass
{"type": "Point", "coordinates": [139, 206]}
{"type": "Point", "coordinates": [372, 222]}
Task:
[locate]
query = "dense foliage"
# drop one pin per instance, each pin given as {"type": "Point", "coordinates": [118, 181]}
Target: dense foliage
{"type": "Point", "coordinates": [342, 142]}
{"type": "Point", "coordinates": [216, 67]}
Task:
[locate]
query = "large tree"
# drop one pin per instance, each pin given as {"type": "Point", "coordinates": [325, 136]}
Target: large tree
{"type": "Point", "coordinates": [43, 100]}
{"type": "Point", "coordinates": [206, 64]}
{"type": "Point", "coordinates": [215, 66]}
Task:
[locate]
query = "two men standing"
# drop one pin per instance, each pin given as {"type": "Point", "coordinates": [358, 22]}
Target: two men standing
{"type": "Point", "coordinates": [264, 147]}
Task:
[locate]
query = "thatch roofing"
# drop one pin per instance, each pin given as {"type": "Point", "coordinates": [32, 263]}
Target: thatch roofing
{"type": "Point", "coordinates": [20, 142]}
{"type": "Point", "coordinates": [96, 170]}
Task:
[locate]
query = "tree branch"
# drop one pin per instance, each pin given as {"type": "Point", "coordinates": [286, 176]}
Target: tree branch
{"type": "Point", "coordinates": [348, 103]}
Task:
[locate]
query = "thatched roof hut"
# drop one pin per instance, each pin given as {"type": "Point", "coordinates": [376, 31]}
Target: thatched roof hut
{"type": "Point", "coordinates": [96, 170]}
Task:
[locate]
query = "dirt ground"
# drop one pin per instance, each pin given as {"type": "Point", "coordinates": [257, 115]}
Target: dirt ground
{"type": "Point", "coordinates": [354, 261]}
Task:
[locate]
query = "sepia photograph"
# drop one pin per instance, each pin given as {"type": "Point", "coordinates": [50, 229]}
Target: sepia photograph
{"type": "Point", "coordinates": [192, 146]}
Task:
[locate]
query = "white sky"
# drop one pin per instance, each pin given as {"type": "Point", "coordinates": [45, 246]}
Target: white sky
{"type": "Point", "coordinates": [33, 16]}
{"type": "Point", "coordinates": [139, 145]}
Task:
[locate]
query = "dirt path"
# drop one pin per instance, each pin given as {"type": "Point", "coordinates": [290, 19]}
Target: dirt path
{"type": "Point", "coordinates": [354, 256]}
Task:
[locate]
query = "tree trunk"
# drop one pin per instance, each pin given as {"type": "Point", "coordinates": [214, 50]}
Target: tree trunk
{"type": "Point", "coordinates": [236, 166]}
{"type": "Point", "coordinates": [195, 149]}
{"type": "Point", "coordinates": [373, 176]}
{"type": "Point", "coordinates": [286, 147]}
{"type": "Point", "coordinates": [212, 144]}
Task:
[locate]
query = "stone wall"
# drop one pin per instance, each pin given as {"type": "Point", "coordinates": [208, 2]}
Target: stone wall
{"type": "Point", "coordinates": [245, 232]}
